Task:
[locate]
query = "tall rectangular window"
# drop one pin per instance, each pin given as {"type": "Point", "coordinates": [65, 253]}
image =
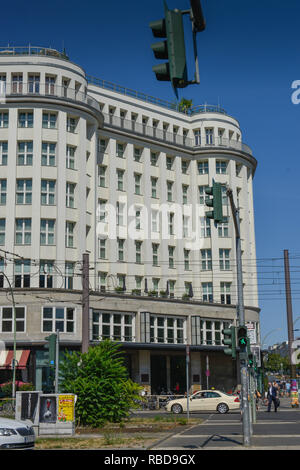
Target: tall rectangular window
{"type": "Point", "coordinates": [154, 187]}
{"type": "Point", "coordinates": [23, 232]}
{"type": "Point", "coordinates": [69, 275]}
{"type": "Point", "coordinates": [48, 192]}
{"type": "Point", "coordinates": [102, 248]}
{"type": "Point", "coordinates": [70, 157]}
{"type": "Point", "coordinates": [48, 153]}
{"type": "Point", "coordinates": [70, 233]}
{"type": "Point", "coordinates": [46, 274]}
{"type": "Point", "coordinates": [138, 252]}
{"type": "Point", "coordinates": [155, 248]}
{"type": "Point", "coordinates": [171, 250]}
{"type": "Point", "coordinates": [3, 119]}
{"type": "Point", "coordinates": [206, 260]}
{"type": "Point", "coordinates": [70, 195]}
{"type": "Point", "coordinates": [47, 232]}
{"type": "Point", "coordinates": [225, 288]}
{"type": "Point", "coordinates": [137, 183]}
{"type": "Point", "coordinates": [203, 167]}
{"type": "Point", "coordinates": [120, 179]}
{"type": "Point", "coordinates": [3, 191]}
{"type": "Point", "coordinates": [25, 153]}
{"type": "Point", "coordinates": [3, 153]}
{"type": "Point", "coordinates": [169, 191]}
{"type": "Point", "coordinates": [121, 243]}
{"type": "Point", "coordinates": [207, 291]}
{"type": "Point", "coordinates": [24, 191]}
{"type": "Point", "coordinates": [102, 176]}
{"type": "Point", "coordinates": [224, 258]}
{"type": "Point", "coordinates": [186, 259]}
{"type": "Point", "coordinates": [22, 273]}
{"type": "Point", "coordinates": [2, 232]}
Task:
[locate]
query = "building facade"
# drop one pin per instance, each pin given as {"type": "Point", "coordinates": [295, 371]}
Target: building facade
{"type": "Point", "coordinates": [87, 166]}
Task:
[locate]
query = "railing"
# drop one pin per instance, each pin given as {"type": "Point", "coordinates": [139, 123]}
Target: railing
{"type": "Point", "coordinates": [46, 89]}
{"type": "Point", "coordinates": [177, 139]}
{"type": "Point", "coordinates": [31, 50]}
{"type": "Point", "coordinates": [205, 108]}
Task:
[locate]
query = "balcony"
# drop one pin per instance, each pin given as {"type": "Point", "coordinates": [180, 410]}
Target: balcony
{"type": "Point", "coordinates": [171, 138]}
{"type": "Point", "coordinates": [32, 50]}
{"type": "Point", "coordinates": [46, 90]}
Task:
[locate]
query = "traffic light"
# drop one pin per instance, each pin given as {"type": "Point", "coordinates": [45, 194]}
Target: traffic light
{"type": "Point", "coordinates": [250, 360]}
{"type": "Point", "coordinates": [172, 48]}
{"type": "Point", "coordinates": [51, 345]}
{"type": "Point", "coordinates": [242, 338]}
{"type": "Point", "coordinates": [215, 202]}
{"type": "Point", "coordinates": [230, 340]}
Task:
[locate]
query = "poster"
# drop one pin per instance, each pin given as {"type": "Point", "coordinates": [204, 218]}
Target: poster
{"type": "Point", "coordinates": [66, 404]}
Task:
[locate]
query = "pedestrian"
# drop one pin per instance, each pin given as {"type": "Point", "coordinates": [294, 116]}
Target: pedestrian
{"type": "Point", "coordinates": [177, 388]}
{"type": "Point", "coordinates": [288, 388]}
{"type": "Point", "coordinates": [257, 396]}
{"type": "Point", "coordinates": [272, 396]}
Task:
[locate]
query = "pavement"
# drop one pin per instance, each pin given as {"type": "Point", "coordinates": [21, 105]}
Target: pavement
{"type": "Point", "coordinates": [276, 431]}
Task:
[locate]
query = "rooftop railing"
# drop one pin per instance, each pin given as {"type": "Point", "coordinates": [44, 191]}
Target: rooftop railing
{"type": "Point", "coordinates": [35, 89]}
{"type": "Point", "coordinates": [173, 138]}
{"type": "Point", "coordinates": [204, 108]}
{"type": "Point", "coordinates": [32, 50]}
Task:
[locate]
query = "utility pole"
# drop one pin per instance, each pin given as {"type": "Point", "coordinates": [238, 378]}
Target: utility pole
{"type": "Point", "coordinates": [56, 361]}
{"type": "Point", "coordinates": [85, 304]}
{"type": "Point", "coordinates": [241, 323]}
{"type": "Point", "coordinates": [289, 310]}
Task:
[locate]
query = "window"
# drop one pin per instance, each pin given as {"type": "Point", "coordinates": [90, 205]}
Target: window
{"type": "Point", "coordinates": [70, 229]}
{"type": "Point", "coordinates": [102, 281]}
{"type": "Point", "coordinates": [102, 210]}
{"type": "Point", "coordinates": [3, 153]}
{"type": "Point", "coordinates": [47, 232]}
{"type": "Point", "coordinates": [171, 223]}
{"type": "Point", "coordinates": [203, 168]}
{"type": "Point", "coordinates": [154, 221]}
{"type": "Point", "coordinates": [49, 85]}
{"type": "Point", "coordinates": [185, 226]}
{"type": "Point", "coordinates": [120, 179]}
{"type": "Point", "coordinates": [206, 260]}
{"type": "Point", "coordinates": [22, 273]}
{"type": "Point", "coordinates": [114, 326]}
{"type": "Point", "coordinates": [69, 275]}
{"type": "Point", "coordinates": [172, 288]}
{"type": "Point", "coordinates": [221, 167]}
{"type": "Point", "coordinates": [224, 195]}
{"type": "Point", "coordinates": [209, 136]}
{"type": "Point", "coordinates": [102, 176]}
{"type": "Point", "coordinates": [137, 183]}
{"type": "Point", "coordinates": [102, 145]}
{"type": "Point", "coordinates": [58, 319]}
{"type": "Point", "coordinates": [138, 252]}
{"type": "Point", "coordinates": [70, 195]}
{"type": "Point", "coordinates": [137, 153]}
{"type": "Point", "coordinates": [120, 150]}
{"type": "Point", "coordinates": [121, 243]}
{"type": "Point", "coordinates": [49, 120]}
{"type": "Point", "coordinates": [186, 259]}
{"type": "Point", "coordinates": [120, 214]}
{"type": "Point", "coordinates": [7, 319]}
{"type": "Point", "coordinates": [211, 332]}
{"type": "Point", "coordinates": [155, 284]}
{"type": "Point", "coordinates": [223, 230]}
{"type": "Point", "coordinates": [17, 83]}
{"type": "Point", "coordinates": [71, 124]}
{"type": "Point", "coordinates": [185, 189]}
{"type": "Point", "coordinates": [225, 292]}
{"type": "Point", "coordinates": [3, 191]}
{"type": "Point", "coordinates": [24, 191]}
{"type": "Point", "coordinates": [205, 231]}
{"type": "Point", "coordinates": [4, 120]}
{"type": "Point", "coordinates": [48, 192]}
{"type": "Point", "coordinates": [102, 248]}
{"type": "Point", "coordinates": [48, 153]}
{"type": "Point", "coordinates": [169, 191]}
{"type": "Point", "coordinates": [202, 194]}
{"type": "Point", "coordinates": [184, 166]}
{"type": "Point", "coordinates": [154, 187]}
{"type": "Point", "coordinates": [154, 158]}
{"type": "Point", "coordinates": [167, 329]}
{"type": "Point", "coordinates": [2, 233]}
{"type": "Point", "coordinates": [23, 232]}
{"type": "Point", "coordinates": [155, 248]}
{"type": "Point", "coordinates": [197, 136]}
{"type": "Point", "coordinates": [207, 292]}
{"type": "Point", "coordinates": [171, 250]}
{"type": "Point", "coordinates": [70, 157]}
{"type": "Point", "coordinates": [169, 162]}
{"type": "Point", "coordinates": [224, 258]}
{"type": "Point", "coordinates": [138, 219]}
{"type": "Point", "coordinates": [138, 285]}
{"type": "Point", "coordinates": [25, 153]}
{"type": "Point", "coordinates": [46, 274]}
{"type": "Point", "coordinates": [25, 119]}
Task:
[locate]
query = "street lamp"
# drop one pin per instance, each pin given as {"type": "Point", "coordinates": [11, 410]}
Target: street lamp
{"type": "Point", "coordinates": [15, 336]}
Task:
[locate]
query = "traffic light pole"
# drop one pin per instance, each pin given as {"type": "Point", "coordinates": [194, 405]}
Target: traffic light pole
{"type": "Point", "coordinates": [241, 322]}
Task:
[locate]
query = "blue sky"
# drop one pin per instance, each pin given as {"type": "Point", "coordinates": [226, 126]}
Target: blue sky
{"type": "Point", "coordinates": [249, 55]}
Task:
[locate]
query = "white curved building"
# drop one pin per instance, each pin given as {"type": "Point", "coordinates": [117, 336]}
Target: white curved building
{"type": "Point", "coordinates": [87, 166]}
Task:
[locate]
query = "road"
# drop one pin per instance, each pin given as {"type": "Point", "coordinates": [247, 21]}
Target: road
{"type": "Point", "coordinates": [272, 430]}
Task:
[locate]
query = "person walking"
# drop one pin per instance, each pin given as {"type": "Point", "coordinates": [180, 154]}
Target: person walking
{"type": "Point", "coordinates": [287, 388]}
{"type": "Point", "coordinates": [272, 396]}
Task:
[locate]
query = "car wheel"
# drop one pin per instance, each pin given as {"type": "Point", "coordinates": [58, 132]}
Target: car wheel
{"type": "Point", "coordinates": [176, 409]}
{"type": "Point", "coordinates": [222, 408]}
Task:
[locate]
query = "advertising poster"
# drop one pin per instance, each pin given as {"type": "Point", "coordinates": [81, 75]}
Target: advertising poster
{"type": "Point", "coordinates": [294, 394]}
{"type": "Point", "coordinates": [66, 404]}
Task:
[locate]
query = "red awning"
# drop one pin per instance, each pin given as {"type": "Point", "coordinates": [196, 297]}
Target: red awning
{"type": "Point", "coordinates": [6, 358]}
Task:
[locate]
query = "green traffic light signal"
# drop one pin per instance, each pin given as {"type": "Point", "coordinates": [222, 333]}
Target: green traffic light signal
{"type": "Point", "coordinates": [242, 335]}
{"type": "Point", "coordinates": [173, 48]}
{"type": "Point", "coordinates": [215, 202]}
{"type": "Point", "coordinates": [230, 340]}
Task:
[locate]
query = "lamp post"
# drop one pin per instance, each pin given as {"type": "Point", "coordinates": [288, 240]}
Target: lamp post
{"type": "Point", "coordinates": [15, 336]}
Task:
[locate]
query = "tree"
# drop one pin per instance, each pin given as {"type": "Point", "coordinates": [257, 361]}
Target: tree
{"type": "Point", "coordinates": [185, 105]}
{"type": "Point", "coordinates": [100, 380]}
{"type": "Point", "coordinates": [276, 363]}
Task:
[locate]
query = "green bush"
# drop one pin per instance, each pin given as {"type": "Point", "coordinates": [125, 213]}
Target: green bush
{"type": "Point", "coordinates": [100, 380]}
